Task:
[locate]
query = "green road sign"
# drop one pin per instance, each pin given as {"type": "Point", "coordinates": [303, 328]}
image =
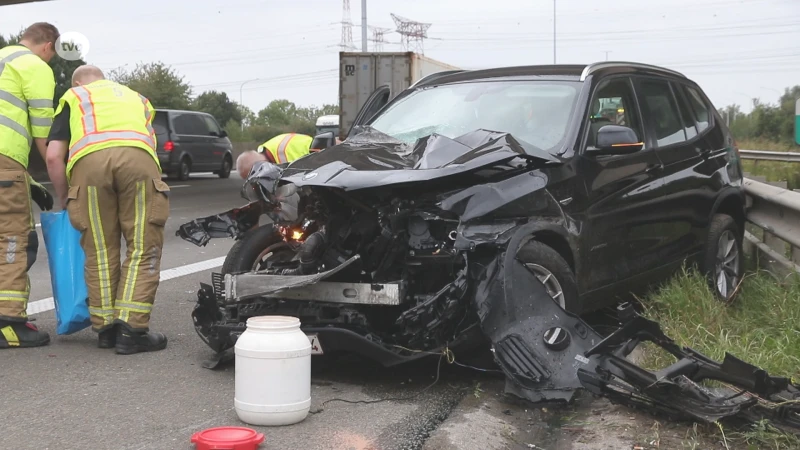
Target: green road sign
{"type": "Point", "coordinates": [797, 122]}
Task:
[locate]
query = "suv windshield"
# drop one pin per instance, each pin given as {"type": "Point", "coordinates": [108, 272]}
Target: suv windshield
{"type": "Point", "coordinates": [534, 112]}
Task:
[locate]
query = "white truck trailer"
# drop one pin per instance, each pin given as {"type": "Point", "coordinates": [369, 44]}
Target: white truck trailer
{"type": "Point", "coordinates": [361, 74]}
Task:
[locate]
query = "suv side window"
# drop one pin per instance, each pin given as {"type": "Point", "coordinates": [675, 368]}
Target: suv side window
{"type": "Point", "coordinates": [661, 112]}
{"type": "Point", "coordinates": [699, 107]}
{"type": "Point", "coordinates": [190, 124]}
{"type": "Point", "coordinates": [686, 116]}
{"type": "Point", "coordinates": [613, 103]}
{"type": "Point", "coordinates": [212, 125]}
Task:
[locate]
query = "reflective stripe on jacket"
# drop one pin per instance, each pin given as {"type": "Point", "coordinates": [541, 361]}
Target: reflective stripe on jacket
{"type": "Point", "coordinates": [106, 114]}
{"type": "Point", "coordinates": [288, 147]}
{"type": "Point", "coordinates": [27, 87]}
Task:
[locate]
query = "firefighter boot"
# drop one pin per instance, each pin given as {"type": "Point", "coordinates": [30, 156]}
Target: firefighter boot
{"type": "Point", "coordinates": [107, 338]}
{"type": "Point", "coordinates": [21, 335]}
{"type": "Point", "coordinates": [130, 341]}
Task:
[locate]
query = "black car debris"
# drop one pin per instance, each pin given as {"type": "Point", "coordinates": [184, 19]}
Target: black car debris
{"type": "Point", "coordinates": [497, 205]}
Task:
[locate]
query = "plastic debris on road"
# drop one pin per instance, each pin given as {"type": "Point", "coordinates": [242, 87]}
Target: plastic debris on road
{"type": "Point", "coordinates": [238, 438]}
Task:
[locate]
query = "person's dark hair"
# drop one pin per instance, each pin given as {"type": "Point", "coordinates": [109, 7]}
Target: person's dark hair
{"type": "Point", "coordinates": [41, 32]}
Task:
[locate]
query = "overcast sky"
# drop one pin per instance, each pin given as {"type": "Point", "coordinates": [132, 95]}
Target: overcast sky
{"type": "Point", "coordinates": [735, 49]}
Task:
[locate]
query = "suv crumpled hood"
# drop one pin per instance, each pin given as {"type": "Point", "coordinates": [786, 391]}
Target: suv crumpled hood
{"type": "Point", "coordinates": [374, 159]}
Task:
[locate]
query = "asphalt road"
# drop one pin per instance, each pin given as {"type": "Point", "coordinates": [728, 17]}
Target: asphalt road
{"type": "Point", "coordinates": [72, 395]}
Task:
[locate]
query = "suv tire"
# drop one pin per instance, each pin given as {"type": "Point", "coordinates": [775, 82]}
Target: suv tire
{"type": "Point", "coordinates": [184, 169]}
{"type": "Point", "coordinates": [227, 165]}
{"type": "Point", "coordinates": [723, 254]}
{"type": "Point", "coordinates": [244, 254]}
{"type": "Point", "coordinates": [545, 261]}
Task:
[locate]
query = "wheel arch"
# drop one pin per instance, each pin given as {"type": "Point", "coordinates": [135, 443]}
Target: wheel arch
{"type": "Point", "coordinates": [558, 242]}
{"type": "Point", "coordinates": [731, 202]}
{"type": "Point", "coordinates": [552, 234]}
{"type": "Point", "coordinates": [186, 155]}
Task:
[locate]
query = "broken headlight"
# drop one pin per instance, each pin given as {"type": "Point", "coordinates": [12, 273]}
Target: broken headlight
{"type": "Point", "coordinates": [262, 184]}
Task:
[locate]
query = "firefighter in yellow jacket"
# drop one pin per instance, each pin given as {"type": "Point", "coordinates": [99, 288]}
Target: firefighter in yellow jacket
{"type": "Point", "coordinates": [111, 186]}
{"type": "Point", "coordinates": [287, 147]}
{"type": "Point", "coordinates": [27, 87]}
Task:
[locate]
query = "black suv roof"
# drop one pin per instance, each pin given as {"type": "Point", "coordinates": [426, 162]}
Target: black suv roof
{"type": "Point", "coordinates": [167, 110]}
{"type": "Point", "coordinates": [577, 72]}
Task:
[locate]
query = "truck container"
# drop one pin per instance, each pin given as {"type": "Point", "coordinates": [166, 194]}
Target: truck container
{"type": "Point", "coordinates": [360, 74]}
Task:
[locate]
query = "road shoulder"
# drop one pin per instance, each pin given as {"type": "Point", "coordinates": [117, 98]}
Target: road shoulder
{"type": "Point", "coordinates": [487, 419]}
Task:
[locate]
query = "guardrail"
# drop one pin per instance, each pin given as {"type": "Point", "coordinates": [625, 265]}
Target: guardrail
{"type": "Point", "coordinates": [776, 211]}
{"type": "Point", "coordinates": [758, 155]}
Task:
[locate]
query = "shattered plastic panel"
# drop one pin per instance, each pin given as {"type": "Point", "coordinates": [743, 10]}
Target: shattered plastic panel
{"type": "Point", "coordinates": [537, 344]}
{"type": "Point", "coordinates": [232, 223]}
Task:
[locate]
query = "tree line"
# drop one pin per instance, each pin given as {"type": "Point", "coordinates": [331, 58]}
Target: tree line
{"type": "Point", "coordinates": [168, 89]}
{"type": "Point", "coordinates": [770, 122]}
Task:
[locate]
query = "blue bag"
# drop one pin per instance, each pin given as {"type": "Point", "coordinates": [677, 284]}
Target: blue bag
{"type": "Point", "coordinates": [66, 260]}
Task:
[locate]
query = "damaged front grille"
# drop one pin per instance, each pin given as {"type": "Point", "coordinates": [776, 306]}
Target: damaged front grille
{"type": "Point", "coordinates": [218, 283]}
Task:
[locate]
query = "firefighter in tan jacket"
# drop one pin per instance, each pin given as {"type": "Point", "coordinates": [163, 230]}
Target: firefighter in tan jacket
{"type": "Point", "coordinates": [27, 87]}
{"type": "Point", "coordinates": [111, 187]}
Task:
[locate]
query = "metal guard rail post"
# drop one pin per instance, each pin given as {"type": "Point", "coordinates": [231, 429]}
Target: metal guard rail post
{"type": "Point", "coordinates": [777, 212]}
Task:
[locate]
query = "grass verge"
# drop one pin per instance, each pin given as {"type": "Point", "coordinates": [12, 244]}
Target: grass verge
{"type": "Point", "coordinates": [761, 326]}
{"type": "Point", "coordinates": [774, 171]}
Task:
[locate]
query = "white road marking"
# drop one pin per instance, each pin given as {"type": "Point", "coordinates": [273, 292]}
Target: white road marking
{"type": "Point", "coordinates": [179, 186]}
{"type": "Point", "coordinates": [48, 304]}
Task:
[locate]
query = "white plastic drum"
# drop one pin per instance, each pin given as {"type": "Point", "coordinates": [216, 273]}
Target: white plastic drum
{"type": "Point", "coordinates": [273, 372]}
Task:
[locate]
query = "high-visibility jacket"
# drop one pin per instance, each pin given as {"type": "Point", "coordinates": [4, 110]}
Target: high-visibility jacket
{"type": "Point", "coordinates": [287, 147]}
{"type": "Point", "coordinates": [106, 114]}
{"type": "Point", "coordinates": [27, 87]}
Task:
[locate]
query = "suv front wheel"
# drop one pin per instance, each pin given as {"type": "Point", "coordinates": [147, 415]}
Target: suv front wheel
{"type": "Point", "coordinates": [553, 271]}
{"type": "Point", "coordinates": [723, 261]}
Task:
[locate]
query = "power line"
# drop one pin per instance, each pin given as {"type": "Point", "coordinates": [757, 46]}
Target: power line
{"type": "Point", "coordinates": [271, 79]}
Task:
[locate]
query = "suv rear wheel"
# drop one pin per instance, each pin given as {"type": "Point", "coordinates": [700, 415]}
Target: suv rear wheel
{"type": "Point", "coordinates": [184, 169]}
{"type": "Point", "coordinates": [722, 262]}
{"type": "Point", "coordinates": [225, 172]}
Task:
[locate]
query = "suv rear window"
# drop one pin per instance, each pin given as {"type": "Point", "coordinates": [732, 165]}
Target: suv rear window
{"type": "Point", "coordinates": [160, 123]}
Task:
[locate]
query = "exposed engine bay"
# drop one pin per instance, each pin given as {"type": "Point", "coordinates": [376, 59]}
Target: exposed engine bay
{"type": "Point", "coordinates": [395, 264]}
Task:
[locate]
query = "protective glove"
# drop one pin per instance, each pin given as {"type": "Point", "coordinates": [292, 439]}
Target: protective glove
{"type": "Point", "coordinates": [41, 196]}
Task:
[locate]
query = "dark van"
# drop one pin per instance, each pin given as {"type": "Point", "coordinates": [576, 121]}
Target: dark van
{"type": "Point", "coordinates": [191, 141]}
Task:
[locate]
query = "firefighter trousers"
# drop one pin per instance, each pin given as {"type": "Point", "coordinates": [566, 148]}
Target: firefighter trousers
{"type": "Point", "coordinates": [114, 193]}
{"type": "Point", "coordinates": [18, 240]}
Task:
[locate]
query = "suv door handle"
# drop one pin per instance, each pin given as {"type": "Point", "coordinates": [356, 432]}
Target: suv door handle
{"type": "Point", "coordinates": [653, 168]}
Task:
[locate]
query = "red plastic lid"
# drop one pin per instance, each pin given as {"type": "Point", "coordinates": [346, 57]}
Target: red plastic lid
{"type": "Point", "coordinates": [238, 438]}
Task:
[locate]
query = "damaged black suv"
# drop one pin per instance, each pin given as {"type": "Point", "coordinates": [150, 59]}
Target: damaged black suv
{"type": "Point", "coordinates": [412, 235]}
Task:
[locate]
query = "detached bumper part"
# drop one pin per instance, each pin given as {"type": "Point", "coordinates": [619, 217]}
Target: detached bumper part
{"type": "Point", "coordinates": [548, 354]}
{"type": "Point", "coordinates": [232, 223]}
{"type": "Point", "coordinates": [750, 394]}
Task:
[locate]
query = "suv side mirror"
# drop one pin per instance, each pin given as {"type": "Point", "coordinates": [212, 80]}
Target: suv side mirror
{"type": "Point", "coordinates": [616, 140]}
{"type": "Point", "coordinates": [223, 134]}
{"type": "Point", "coordinates": [322, 141]}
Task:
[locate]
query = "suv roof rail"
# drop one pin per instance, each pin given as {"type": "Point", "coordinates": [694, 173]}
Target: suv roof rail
{"type": "Point", "coordinates": [436, 75]}
{"type": "Point", "coordinates": [594, 67]}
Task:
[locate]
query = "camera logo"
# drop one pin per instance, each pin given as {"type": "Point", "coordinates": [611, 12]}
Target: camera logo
{"type": "Point", "coordinates": [72, 46]}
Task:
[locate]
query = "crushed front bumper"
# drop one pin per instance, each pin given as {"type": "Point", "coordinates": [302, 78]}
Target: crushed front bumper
{"type": "Point", "coordinates": [217, 322]}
